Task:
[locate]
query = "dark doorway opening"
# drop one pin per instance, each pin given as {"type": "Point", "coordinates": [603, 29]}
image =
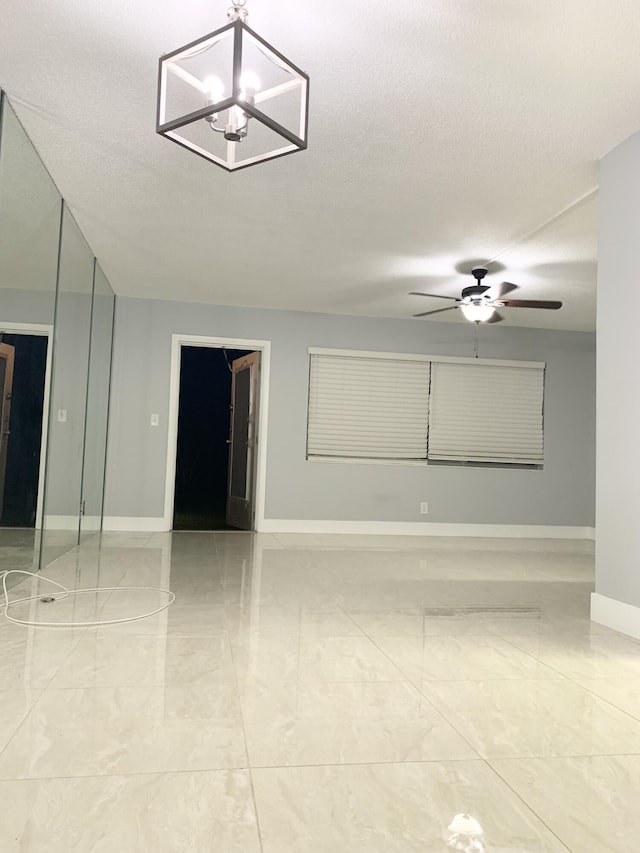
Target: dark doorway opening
{"type": "Point", "coordinates": [22, 473]}
{"type": "Point", "coordinates": [202, 459]}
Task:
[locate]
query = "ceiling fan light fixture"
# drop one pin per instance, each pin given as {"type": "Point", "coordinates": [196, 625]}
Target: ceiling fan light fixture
{"type": "Point", "coordinates": [479, 302]}
{"type": "Point", "coordinates": [477, 313]}
{"type": "Point", "coordinates": [232, 98]}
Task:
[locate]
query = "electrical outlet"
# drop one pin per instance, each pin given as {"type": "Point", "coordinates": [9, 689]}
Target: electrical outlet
{"type": "Point", "coordinates": [155, 420]}
{"type": "Point", "coordinates": [424, 508]}
{"type": "Point", "coordinates": [62, 416]}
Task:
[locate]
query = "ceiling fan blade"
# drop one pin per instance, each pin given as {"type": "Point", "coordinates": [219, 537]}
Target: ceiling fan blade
{"type": "Point", "coordinates": [437, 311]}
{"type": "Point", "coordinates": [432, 295]}
{"type": "Point", "coordinates": [500, 290]}
{"type": "Point", "coordinates": [531, 303]}
{"type": "Point", "coordinates": [495, 318]}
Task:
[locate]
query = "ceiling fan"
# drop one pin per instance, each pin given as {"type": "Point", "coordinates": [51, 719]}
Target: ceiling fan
{"type": "Point", "coordinates": [479, 301]}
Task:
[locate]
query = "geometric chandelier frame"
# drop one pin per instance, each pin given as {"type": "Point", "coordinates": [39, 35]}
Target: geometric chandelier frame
{"type": "Point", "coordinates": [212, 101]}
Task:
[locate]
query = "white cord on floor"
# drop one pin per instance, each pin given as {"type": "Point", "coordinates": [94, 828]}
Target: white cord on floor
{"type": "Point", "coordinates": [66, 593]}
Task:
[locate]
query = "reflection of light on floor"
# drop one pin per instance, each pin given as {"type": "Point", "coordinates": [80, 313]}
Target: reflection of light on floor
{"type": "Point", "coordinates": [465, 835]}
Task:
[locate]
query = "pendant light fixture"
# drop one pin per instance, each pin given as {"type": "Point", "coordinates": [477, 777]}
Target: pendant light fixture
{"type": "Point", "coordinates": [232, 98]}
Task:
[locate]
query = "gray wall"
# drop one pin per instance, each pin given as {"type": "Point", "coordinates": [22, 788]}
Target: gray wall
{"type": "Point", "coordinates": [70, 365]}
{"type": "Point", "coordinates": [561, 494]}
{"type": "Point", "coordinates": [27, 306]}
{"type": "Point", "coordinates": [68, 392]}
{"type": "Point", "coordinates": [97, 401]}
{"type": "Point", "coordinates": [618, 418]}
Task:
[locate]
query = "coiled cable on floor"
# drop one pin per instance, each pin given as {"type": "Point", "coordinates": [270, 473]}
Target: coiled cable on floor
{"type": "Point", "coordinates": [7, 603]}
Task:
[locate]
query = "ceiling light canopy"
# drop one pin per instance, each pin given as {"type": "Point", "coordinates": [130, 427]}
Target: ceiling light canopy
{"type": "Point", "coordinates": [232, 98]}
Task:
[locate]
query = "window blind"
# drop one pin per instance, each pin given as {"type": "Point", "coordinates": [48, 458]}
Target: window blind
{"type": "Point", "coordinates": [373, 408]}
{"type": "Point", "coordinates": [486, 413]}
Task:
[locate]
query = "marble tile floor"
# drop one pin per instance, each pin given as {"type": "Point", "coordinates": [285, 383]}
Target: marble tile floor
{"type": "Point", "coordinates": [20, 548]}
{"type": "Point", "coordinates": [338, 694]}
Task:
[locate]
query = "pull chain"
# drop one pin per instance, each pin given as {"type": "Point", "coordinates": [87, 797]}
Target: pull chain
{"type": "Point", "coordinates": [475, 346]}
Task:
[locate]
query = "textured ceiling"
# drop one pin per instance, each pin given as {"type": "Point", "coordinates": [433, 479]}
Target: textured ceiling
{"type": "Point", "coordinates": [440, 132]}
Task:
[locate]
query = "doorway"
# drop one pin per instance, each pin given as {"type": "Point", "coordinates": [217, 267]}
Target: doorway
{"type": "Point", "coordinates": [23, 370]}
{"type": "Point", "coordinates": [217, 424]}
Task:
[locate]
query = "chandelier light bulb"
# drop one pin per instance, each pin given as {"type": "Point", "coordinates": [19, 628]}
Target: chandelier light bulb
{"type": "Point", "coordinates": [214, 89]}
{"type": "Point", "coordinates": [477, 313]}
{"type": "Point", "coordinates": [249, 83]}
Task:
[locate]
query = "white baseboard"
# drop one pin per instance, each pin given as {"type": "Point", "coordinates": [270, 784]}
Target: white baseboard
{"type": "Point", "coordinates": [71, 522]}
{"type": "Point", "coordinates": [615, 614]}
{"type": "Point", "coordinates": [128, 524]}
{"type": "Point", "coordinates": [387, 528]}
{"type": "Point", "coordinates": [61, 522]}
{"type": "Point", "coordinates": [421, 528]}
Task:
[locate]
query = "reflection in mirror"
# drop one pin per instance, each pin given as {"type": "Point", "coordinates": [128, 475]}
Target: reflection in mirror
{"type": "Point", "coordinates": [466, 834]}
{"type": "Point", "coordinates": [97, 404]}
{"type": "Point", "coordinates": [30, 217]}
{"type": "Point", "coordinates": [61, 524]}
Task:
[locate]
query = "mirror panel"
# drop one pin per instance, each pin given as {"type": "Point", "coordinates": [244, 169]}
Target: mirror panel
{"type": "Point", "coordinates": [30, 218]}
{"type": "Point", "coordinates": [97, 404]}
{"type": "Point", "coordinates": [71, 340]}
{"type": "Point", "coordinates": [56, 325]}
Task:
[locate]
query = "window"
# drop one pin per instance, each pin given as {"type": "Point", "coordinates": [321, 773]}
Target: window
{"type": "Point", "coordinates": [381, 406]}
{"type": "Point", "coordinates": [486, 413]}
{"type": "Point", "coordinates": [373, 408]}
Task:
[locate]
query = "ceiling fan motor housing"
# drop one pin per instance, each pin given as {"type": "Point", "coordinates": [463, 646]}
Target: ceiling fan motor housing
{"type": "Point", "coordinates": [474, 291]}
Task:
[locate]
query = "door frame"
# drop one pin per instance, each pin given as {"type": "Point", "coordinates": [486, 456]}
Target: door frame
{"type": "Point", "coordinates": [43, 330]}
{"type": "Point", "coordinates": [260, 487]}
